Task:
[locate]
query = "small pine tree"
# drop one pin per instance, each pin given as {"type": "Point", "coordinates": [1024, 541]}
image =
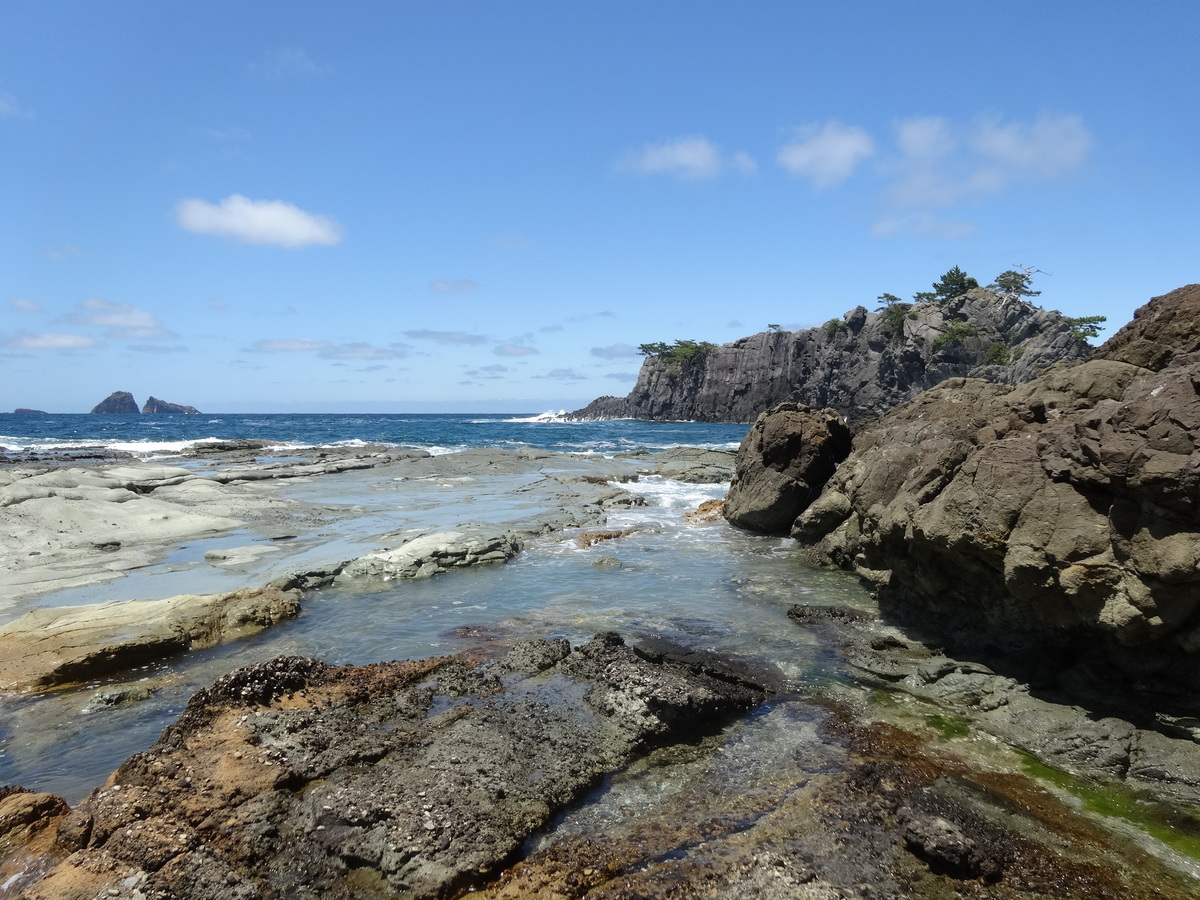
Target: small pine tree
{"type": "Point", "coordinates": [1014, 283]}
{"type": "Point", "coordinates": [953, 284]}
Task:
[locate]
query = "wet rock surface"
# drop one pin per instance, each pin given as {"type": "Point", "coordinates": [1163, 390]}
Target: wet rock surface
{"type": "Point", "coordinates": [296, 778]}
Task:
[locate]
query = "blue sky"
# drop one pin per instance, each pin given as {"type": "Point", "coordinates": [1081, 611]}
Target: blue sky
{"type": "Point", "coordinates": [487, 206]}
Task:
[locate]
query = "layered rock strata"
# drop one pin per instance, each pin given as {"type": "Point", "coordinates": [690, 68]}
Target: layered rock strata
{"type": "Point", "coordinates": [860, 365]}
{"type": "Point", "coordinates": [422, 779]}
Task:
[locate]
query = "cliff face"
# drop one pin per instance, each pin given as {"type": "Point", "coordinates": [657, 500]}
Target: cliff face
{"type": "Point", "coordinates": [861, 365]}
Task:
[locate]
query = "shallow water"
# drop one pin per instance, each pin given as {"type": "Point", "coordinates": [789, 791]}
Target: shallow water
{"type": "Point", "coordinates": [707, 586]}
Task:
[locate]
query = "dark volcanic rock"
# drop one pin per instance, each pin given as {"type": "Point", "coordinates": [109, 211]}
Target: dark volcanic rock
{"type": "Point", "coordinates": [1066, 507]}
{"type": "Point", "coordinates": [782, 464]}
{"type": "Point", "coordinates": [860, 365]}
{"type": "Point", "coordinates": [117, 403]}
{"type": "Point", "coordinates": [154, 405]}
{"type": "Point", "coordinates": [294, 778]}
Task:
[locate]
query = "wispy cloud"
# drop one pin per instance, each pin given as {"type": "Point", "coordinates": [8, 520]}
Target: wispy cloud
{"type": "Point", "coordinates": [11, 109]}
{"type": "Point", "coordinates": [287, 345]}
{"type": "Point", "coordinates": [364, 351]}
{"type": "Point", "coordinates": [614, 351]}
{"type": "Point", "coordinates": [158, 348]}
{"type": "Point", "coordinates": [941, 165]}
{"type": "Point", "coordinates": [563, 375]}
{"type": "Point", "coordinates": [288, 62]}
{"type": "Point", "coordinates": [514, 350]}
{"type": "Point", "coordinates": [455, 286]}
{"type": "Point", "coordinates": [826, 154]}
{"type": "Point", "coordinates": [120, 321]}
{"type": "Point", "coordinates": [257, 222]}
{"type": "Point", "coordinates": [513, 242]}
{"type": "Point", "coordinates": [24, 304]}
{"type": "Point", "coordinates": [692, 158]}
{"type": "Point", "coordinates": [52, 341]}
{"type": "Point", "coordinates": [622, 376]}
{"type": "Point", "coordinates": [446, 337]}
{"type": "Point", "coordinates": [66, 251]}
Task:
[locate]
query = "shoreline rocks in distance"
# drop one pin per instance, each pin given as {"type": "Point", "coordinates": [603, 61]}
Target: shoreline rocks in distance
{"type": "Point", "coordinates": [121, 403]}
{"type": "Point", "coordinates": [155, 406]}
{"type": "Point", "coordinates": [118, 403]}
{"type": "Point", "coordinates": [21, 411]}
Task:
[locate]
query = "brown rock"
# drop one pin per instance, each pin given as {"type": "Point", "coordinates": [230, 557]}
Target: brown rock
{"type": "Point", "coordinates": [782, 464]}
{"type": "Point", "coordinates": [1067, 506]}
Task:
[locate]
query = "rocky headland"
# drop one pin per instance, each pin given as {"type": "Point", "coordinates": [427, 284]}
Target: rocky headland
{"type": "Point", "coordinates": [860, 365]}
{"type": "Point", "coordinates": [154, 406]}
{"type": "Point", "coordinates": [1061, 513]}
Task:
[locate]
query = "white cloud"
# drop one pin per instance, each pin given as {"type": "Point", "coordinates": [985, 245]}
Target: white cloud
{"type": "Point", "coordinates": [121, 321]}
{"type": "Point", "coordinates": [614, 351]}
{"type": "Point", "coordinates": [745, 163]}
{"type": "Point", "coordinates": [66, 251]}
{"type": "Point", "coordinates": [457, 286]}
{"type": "Point", "coordinates": [257, 221]}
{"type": "Point", "coordinates": [827, 155]}
{"type": "Point", "coordinates": [288, 345]}
{"type": "Point", "coordinates": [363, 351]}
{"type": "Point", "coordinates": [10, 108]}
{"type": "Point", "coordinates": [25, 304]}
{"type": "Point", "coordinates": [622, 376]}
{"type": "Point", "coordinates": [563, 375]}
{"type": "Point", "coordinates": [52, 341]}
{"type": "Point", "coordinates": [288, 62]}
{"type": "Point", "coordinates": [942, 164]}
{"type": "Point", "coordinates": [446, 337]}
{"type": "Point", "coordinates": [514, 350]}
{"type": "Point", "coordinates": [692, 158]}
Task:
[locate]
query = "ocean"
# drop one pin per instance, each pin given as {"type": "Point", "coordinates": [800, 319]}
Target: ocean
{"type": "Point", "coordinates": [152, 435]}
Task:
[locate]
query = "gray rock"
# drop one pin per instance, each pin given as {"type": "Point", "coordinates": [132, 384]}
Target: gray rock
{"type": "Point", "coordinates": [432, 554]}
{"type": "Point", "coordinates": [860, 365]}
{"type": "Point", "coordinates": [153, 405]}
{"type": "Point", "coordinates": [117, 403]}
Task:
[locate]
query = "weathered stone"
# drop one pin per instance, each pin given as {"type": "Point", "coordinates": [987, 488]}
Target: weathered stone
{"type": "Point", "coordinates": [296, 778]}
{"type": "Point", "coordinates": [1067, 506]}
{"type": "Point", "coordinates": [782, 464]}
{"type": "Point", "coordinates": [54, 646]}
{"type": "Point", "coordinates": [432, 554]}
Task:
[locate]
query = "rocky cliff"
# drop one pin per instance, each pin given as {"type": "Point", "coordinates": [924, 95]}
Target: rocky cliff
{"type": "Point", "coordinates": [117, 403]}
{"type": "Point", "coordinates": [860, 365]}
{"type": "Point", "coordinates": [1064, 509]}
{"type": "Point", "coordinates": [154, 405]}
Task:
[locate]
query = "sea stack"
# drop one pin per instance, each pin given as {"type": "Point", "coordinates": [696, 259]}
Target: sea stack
{"type": "Point", "coordinates": [118, 403]}
{"type": "Point", "coordinates": [154, 405]}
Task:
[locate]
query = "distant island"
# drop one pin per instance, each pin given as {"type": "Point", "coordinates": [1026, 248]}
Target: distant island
{"type": "Point", "coordinates": [121, 403]}
{"type": "Point", "coordinates": [29, 412]}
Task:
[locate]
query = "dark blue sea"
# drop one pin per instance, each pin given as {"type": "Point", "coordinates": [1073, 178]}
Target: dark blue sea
{"type": "Point", "coordinates": [152, 435]}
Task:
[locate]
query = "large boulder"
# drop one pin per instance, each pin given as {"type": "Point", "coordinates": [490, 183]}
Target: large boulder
{"type": "Point", "coordinates": [118, 403]}
{"type": "Point", "coordinates": [782, 464]}
{"type": "Point", "coordinates": [1068, 507]}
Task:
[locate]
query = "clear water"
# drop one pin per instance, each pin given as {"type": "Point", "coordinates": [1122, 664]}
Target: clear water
{"type": "Point", "coordinates": [705, 585]}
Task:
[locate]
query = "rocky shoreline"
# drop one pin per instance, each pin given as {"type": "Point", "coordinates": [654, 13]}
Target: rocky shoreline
{"type": "Point", "coordinates": [952, 742]}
